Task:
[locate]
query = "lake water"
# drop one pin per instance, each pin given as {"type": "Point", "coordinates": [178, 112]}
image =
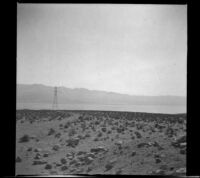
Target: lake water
{"type": "Point", "coordinates": [168, 109]}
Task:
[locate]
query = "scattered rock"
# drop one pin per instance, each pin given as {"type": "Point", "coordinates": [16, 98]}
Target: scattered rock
{"type": "Point", "coordinates": [181, 171]}
{"type": "Point", "coordinates": [109, 132]}
{"type": "Point", "coordinates": [120, 130]}
{"type": "Point", "coordinates": [48, 166]}
{"type": "Point", "coordinates": [81, 153]}
{"type": "Point", "coordinates": [163, 167]}
{"type": "Point", "coordinates": [67, 125]}
{"type": "Point", "coordinates": [138, 134]}
{"type": "Point", "coordinates": [37, 150]}
{"type": "Point", "coordinates": [58, 164]}
{"type": "Point", "coordinates": [140, 145]}
{"type": "Point", "coordinates": [156, 144]}
{"type": "Point", "coordinates": [87, 135]}
{"type": "Point", "coordinates": [51, 132]}
{"type": "Point", "coordinates": [73, 162]}
{"type": "Point", "coordinates": [99, 134]}
{"type": "Point", "coordinates": [132, 137]}
{"type": "Point", "coordinates": [133, 153]}
{"type": "Point", "coordinates": [24, 138]}
{"type": "Point", "coordinates": [162, 156]}
{"type": "Point", "coordinates": [70, 155]}
{"type": "Point", "coordinates": [183, 151]}
{"type": "Point", "coordinates": [181, 139]}
{"type": "Point", "coordinates": [39, 162]}
{"type": "Point", "coordinates": [86, 159]}
{"type": "Point", "coordinates": [73, 142]}
{"type": "Point", "coordinates": [18, 159]}
{"type": "Point", "coordinates": [37, 140]}
{"type": "Point", "coordinates": [56, 147]}
{"type": "Point", "coordinates": [91, 155]}
{"type": "Point", "coordinates": [156, 155]}
{"type": "Point", "coordinates": [80, 171]}
{"type": "Point", "coordinates": [169, 132]}
{"type": "Point", "coordinates": [63, 161]}
{"type": "Point", "coordinates": [126, 147]}
{"type": "Point", "coordinates": [58, 135]}
{"type": "Point", "coordinates": [97, 150]}
{"type": "Point", "coordinates": [109, 167]}
{"type": "Point", "coordinates": [89, 169]}
{"type": "Point", "coordinates": [37, 156]}
{"type": "Point", "coordinates": [80, 137]}
{"type": "Point", "coordinates": [112, 161]}
{"type": "Point", "coordinates": [158, 160]}
{"type": "Point", "coordinates": [72, 132]}
{"type": "Point", "coordinates": [98, 128]}
{"type": "Point", "coordinates": [119, 143]}
{"type": "Point", "coordinates": [29, 149]}
{"type": "Point", "coordinates": [183, 145]}
{"type": "Point", "coordinates": [119, 171]}
{"type": "Point", "coordinates": [80, 118]}
{"type": "Point", "coordinates": [180, 142]}
{"type": "Point", "coordinates": [63, 168]}
{"type": "Point", "coordinates": [103, 129]}
{"type": "Point", "coordinates": [158, 172]}
{"type": "Point", "coordinates": [96, 139]}
{"type": "Point", "coordinates": [45, 155]}
{"type": "Point", "coordinates": [53, 172]}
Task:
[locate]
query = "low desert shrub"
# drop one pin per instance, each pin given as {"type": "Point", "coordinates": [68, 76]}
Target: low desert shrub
{"type": "Point", "coordinates": [25, 138]}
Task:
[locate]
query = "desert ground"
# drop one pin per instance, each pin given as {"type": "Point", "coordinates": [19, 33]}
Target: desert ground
{"type": "Point", "coordinates": [57, 142]}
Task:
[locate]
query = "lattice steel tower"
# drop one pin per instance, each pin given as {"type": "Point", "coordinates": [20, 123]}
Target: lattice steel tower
{"type": "Point", "coordinates": [55, 99]}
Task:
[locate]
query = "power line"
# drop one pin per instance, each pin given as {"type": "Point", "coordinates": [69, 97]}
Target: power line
{"type": "Point", "coordinates": [55, 99]}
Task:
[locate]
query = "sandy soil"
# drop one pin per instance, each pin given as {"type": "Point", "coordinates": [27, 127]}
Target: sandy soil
{"type": "Point", "coordinates": [100, 142]}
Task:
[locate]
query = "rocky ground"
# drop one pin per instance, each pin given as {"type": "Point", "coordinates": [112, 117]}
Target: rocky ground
{"type": "Point", "coordinates": [100, 142]}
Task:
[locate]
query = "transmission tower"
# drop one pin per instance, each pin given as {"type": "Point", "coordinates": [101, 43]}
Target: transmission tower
{"type": "Point", "coordinates": [55, 99]}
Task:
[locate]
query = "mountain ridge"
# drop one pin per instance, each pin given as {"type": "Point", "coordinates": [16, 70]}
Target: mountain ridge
{"type": "Point", "coordinates": [44, 94]}
{"type": "Point", "coordinates": [103, 91]}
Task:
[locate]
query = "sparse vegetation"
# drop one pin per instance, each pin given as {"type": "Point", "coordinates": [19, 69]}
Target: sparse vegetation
{"type": "Point", "coordinates": [24, 138]}
{"type": "Point", "coordinates": [101, 142]}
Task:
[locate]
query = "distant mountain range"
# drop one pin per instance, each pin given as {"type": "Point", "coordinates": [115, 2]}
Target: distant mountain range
{"type": "Point", "coordinates": [38, 93]}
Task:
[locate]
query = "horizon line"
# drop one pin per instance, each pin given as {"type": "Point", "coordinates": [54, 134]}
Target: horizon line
{"type": "Point", "coordinates": [104, 90]}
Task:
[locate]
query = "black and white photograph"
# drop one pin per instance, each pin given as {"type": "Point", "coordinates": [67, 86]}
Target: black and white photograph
{"type": "Point", "coordinates": [101, 89]}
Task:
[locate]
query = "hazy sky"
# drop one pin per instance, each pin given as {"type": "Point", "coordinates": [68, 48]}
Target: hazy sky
{"type": "Point", "coordinates": [133, 49]}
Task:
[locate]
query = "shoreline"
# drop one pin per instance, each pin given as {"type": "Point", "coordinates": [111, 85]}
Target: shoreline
{"type": "Point", "coordinates": [133, 112]}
